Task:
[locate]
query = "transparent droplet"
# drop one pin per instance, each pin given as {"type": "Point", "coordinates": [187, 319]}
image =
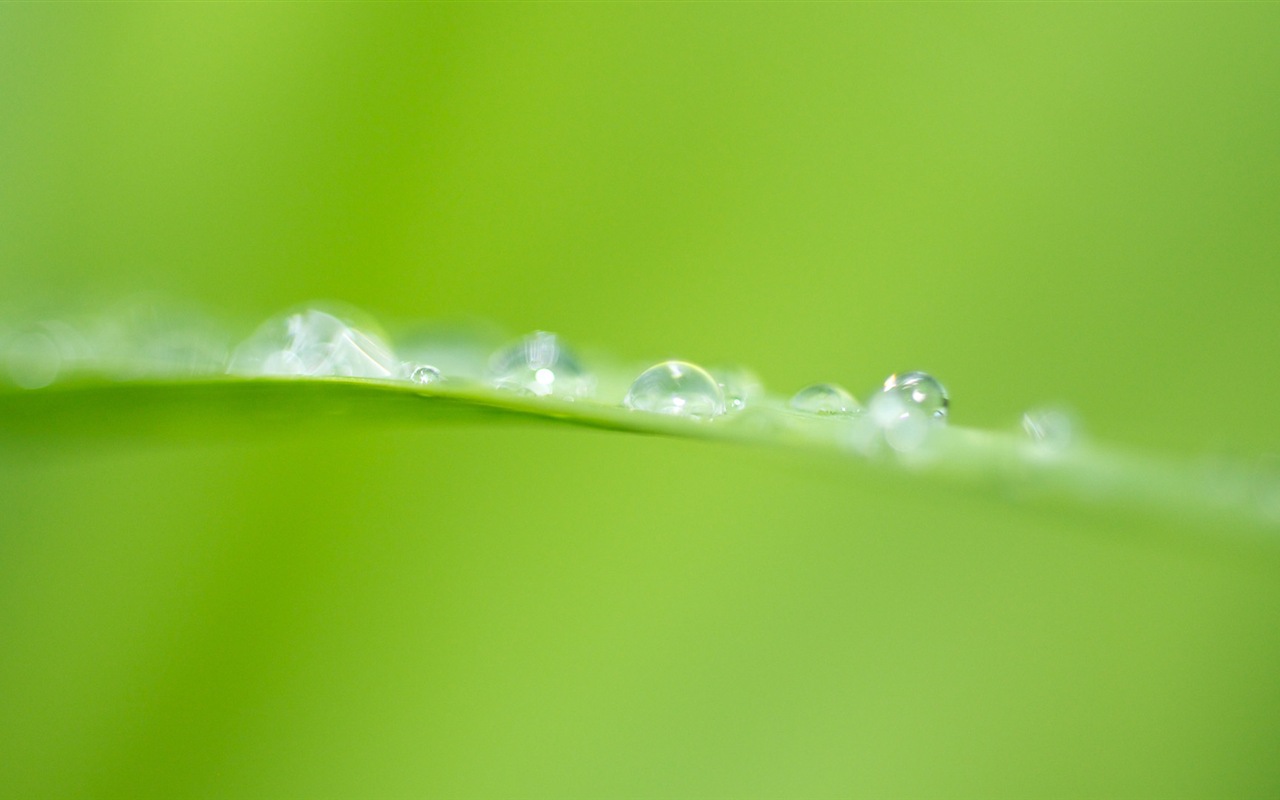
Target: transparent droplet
{"type": "Point", "coordinates": [1050, 428]}
{"type": "Point", "coordinates": [740, 386]}
{"type": "Point", "coordinates": [316, 344]}
{"type": "Point", "coordinates": [825, 398]}
{"type": "Point", "coordinates": [425, 374]}
{"type": "Point", "coordinates": [33, 359]}
{"type": "Point", "coordinates": [900, 421]}
{"type": "Point", "coordinates": [909, 431]}
{"type": "Point", "coordinates": [540, 364]}
{"type": "Point", "coordinates": [39, 354]}
{"type": "Point", "coordinates": [679, 388]}
{"type": "Point", "coordinates": [919, 389]}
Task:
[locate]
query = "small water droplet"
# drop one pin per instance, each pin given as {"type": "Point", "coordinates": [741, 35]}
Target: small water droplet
{"type": "Point", "coordinates": [679, 388]}
{"type": "Point", "coordinates": [540, 364]}
{"type": "Point", "coordinates": [33, 359]}
{"type": "Point", "coordinates": [909, 431]}
{"type": "Point", "coordinates": [921, 390]}
{"type": "Point", "coordinates": [315, 344]}
{"type": "Point", "coordinates": [1052, 429]}
{"type": "Point", "coordinates": [425, 374]}
{"type": "Point", "coordinates": [825, 398]}
{"type": "Point", "coordinates": [740, 386]}
{"type": "Point", "coordinates": [39, 354]}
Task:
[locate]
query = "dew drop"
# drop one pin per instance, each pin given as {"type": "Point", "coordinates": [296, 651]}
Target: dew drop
{"type": "Point", "coordinates": [825, 398]}
{"type": "Point", "coordinates": [39, 354]}
{"type": "Point", "coordinates": [901, 422]}
{"type": "Point", "coordinates": [424, 375]}
{"type": "Point", "coordinates": [33, 359]}
{"type": "Point", "coordinates": [540, 364]}
{"type": "Point", "coordinates": [740, 386]}
{"type": "Point", "coordinates": [678, 388]}
{"type": "Point", "coordinates": [1050, 428]}
{"type": "Point", "coordinates": [920, 390]}
{"type": "Point", "coordinates": [909, 431]}
{"type": "Point", "coordinates": [315, 344]}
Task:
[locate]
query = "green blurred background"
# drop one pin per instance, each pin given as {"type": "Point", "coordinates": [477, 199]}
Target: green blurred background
{"type": "Point", "coordinates": [1038, 203]}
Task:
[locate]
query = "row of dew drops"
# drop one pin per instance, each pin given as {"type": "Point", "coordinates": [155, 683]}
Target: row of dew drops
{"type": "Point", "coordinates": [323, 342]}
{"type": "Point", "coordinates": [315, 343]}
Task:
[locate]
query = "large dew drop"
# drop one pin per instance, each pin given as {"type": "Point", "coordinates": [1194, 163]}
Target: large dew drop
{"type": "Point", "coordinates": [825, 398]}
{"type": "Point", "coordinates": [919, 390]}
{"type": "Point", "coordinates": [540, 364]}
{"type": "Point", "coordinates": [315, 344]}
{"type": "Point", "coordinates": [678, 388]}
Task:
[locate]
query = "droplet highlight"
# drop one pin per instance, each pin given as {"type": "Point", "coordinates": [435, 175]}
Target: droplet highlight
{"type": "Point", "coordinates": [677, 388]}
{"type": "Point", "coordinates": [425, 375]}
{"type": "Point", "coordinates": [921, 391]}
{"type": "Point", "coordinates": [825, 398]}
{"type": "Point", "coordinates": [540, 364]}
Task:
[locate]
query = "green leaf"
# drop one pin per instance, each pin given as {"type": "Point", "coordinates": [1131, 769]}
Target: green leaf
{"type": "Point", "coordinates": [1004, 464]}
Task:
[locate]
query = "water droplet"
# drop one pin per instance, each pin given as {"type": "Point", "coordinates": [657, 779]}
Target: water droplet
{"type": "Point", "coordinates": [1050, 428]}
{"type": "Point", "coordinates": [33, 359]}
{"type": "Point", "coordinates": [909, 431]}
{"type": "Point", "coordinates": [900, 421]}
{"type": "Point", "coordinates": [425, 374]}
{"type": "Point", "coordinates": [679, 388]}
{"type": "Point", "coordinates": [316, 344]}
{"type": "Point", "coordinates": [39, 354]}
{"type": "Point", "coordinates": [921, 390]}
{"type": "Point", "coordinates": [740, 386]}
{"type": "Point", "coordinates": [541, 364]}
{"type": "Point", "coordinates": [825, 398]}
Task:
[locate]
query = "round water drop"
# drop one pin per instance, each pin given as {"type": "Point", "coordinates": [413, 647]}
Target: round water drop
{"type": "Point", "coordinates": [540, 364]}
{"type": "Point", "coordinates": [39, 354]}
{"type": "Point", "coordinates": [678, 388]}
{"type": "Point", "coordinates": [921, 390]}
{"type": "Point", "coordinates": [425, 374]}
{"type": "Point", "coordinates": [825, 398]}
{"type": "Point", "coordinates": [910, 431]}
{"type": "Point", "coordinates": [901, 422]}
{"type": "Point", "coordinates": [315, 344]}
{"type": "Point", "coordinates": [33, 359]}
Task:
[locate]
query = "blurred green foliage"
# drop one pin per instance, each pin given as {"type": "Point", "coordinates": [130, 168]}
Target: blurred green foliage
{"type": "Point", "coordinates": [1037, 203]}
